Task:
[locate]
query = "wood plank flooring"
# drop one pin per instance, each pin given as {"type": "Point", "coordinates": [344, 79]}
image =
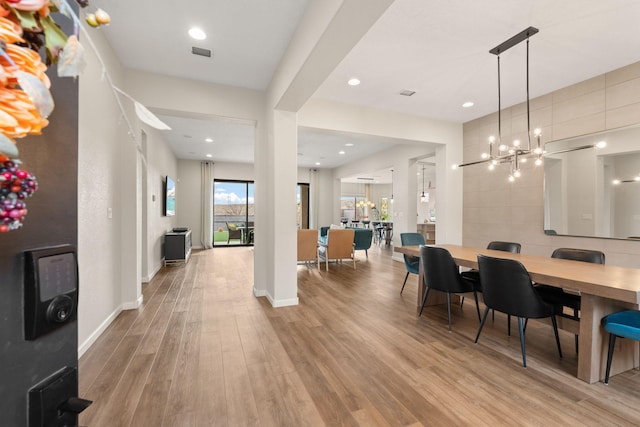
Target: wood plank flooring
{"type": "Point", "coordinates": [203, 351]}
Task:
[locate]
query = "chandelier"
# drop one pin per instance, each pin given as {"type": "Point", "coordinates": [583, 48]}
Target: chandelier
{"type": "Point", "coordinates": [517, 153]}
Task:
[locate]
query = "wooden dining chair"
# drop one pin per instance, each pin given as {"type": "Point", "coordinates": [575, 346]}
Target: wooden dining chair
{"type": "Point", "coordinates": [507, 288]}
{"type": "Point", "coordinates": [308, 246]}
{"type": "Point", "coordinates": [339, 246]}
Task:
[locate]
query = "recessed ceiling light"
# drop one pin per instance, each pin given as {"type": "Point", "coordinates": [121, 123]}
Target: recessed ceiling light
{"type": "Point", "coordinates": [208, 140]}
{"type": "Point", "coordinates": [341, 152]}
{"type": "Point", "coordinates": [197, 34]}
{"type": "Point", "coordinates": [209, 155]}
{"type": "Point", "coordinates": [407, 92]}
{"type": "Point", "coordinates": [317, 163]}
{"type": "Point", "coordinates": [348, 144]}
{"type": "Point", "coordinates": [353, 82]}
{"type": "Point", "coordinates": [467, 104]}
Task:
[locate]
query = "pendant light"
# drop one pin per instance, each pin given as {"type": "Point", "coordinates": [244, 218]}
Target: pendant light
{"type": "Point", "coordinates": [516, 154]}
{"type": "Point", "coordinates": [423, 196]}
{"type": "Point", "coordinates": [391, 200]}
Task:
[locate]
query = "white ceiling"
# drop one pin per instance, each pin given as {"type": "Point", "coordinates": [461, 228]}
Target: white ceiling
{"type": "Point", "coordinates": [437, 48]}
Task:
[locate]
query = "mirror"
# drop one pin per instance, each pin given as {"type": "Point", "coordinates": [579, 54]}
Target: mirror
{"type": "Point", "coordinates": [593, 192]}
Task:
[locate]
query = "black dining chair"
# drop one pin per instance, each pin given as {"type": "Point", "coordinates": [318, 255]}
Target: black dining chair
{"type": "Point", "coordinates": [440, 272]}
{"type": "Point", "coordinates": [561, 298]}
{"type": "Point", "coordinates": [411, 263]}
{"type": "Point", "coordinates": [507, 288]}
{"type": "Point", "coordinates": [474, 275]}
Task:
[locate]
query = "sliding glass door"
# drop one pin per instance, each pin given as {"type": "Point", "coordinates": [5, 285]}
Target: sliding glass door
{"type": "Point", "coordinates": [233, 213]}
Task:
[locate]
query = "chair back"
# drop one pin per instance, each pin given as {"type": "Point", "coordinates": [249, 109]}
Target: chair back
{"type": "Point", "coordinates": [411, 239]}
{"type": "Point", "coordinates": [507, 287]}
{"type": "Point", "coordinates": [504, 246]}
{"type": "Point", "coordinates": [340, 243]}
{"type": "Point", "coordinates": [583, 255]}
{"type": "Point", "coordinates": [307, 245]}
{"type": "Point", "coordinates": [441, 271]}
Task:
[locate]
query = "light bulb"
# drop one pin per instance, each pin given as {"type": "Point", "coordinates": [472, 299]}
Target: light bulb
{"type": "Point", "coordinates": [454, 167]}
{"type": "Point", "coordinates": [491, 166]}
{"type": "Point", "coordinates": [523, 160]}
{"type": "Point", "coordinates": [517, 174]}
{"type": "Point", "coordinates": [637, 178]}
{"type": "Point", "coordinates": [484, 156]}
{"type": "Point", "coordinates": [601, 144]}
{"type": "Point", "coordinates": [516, 142]}
{"type": "Point", "coordinates": [538, 161]}
{"type": "Point", "coordinates": [537, 132]}
{"type": "Point", "coordinates": [511, 178]}
{"type": "Point", "coordinates": [494, 162]}
{"type": "Point", "coordinates": [492, 139]}
{"type": "Point", "coordinates": [616, 182]}
{"type": "Point", "coordinates": [537, 150]}
{"type": "Point", "coordinates": [502, 147]}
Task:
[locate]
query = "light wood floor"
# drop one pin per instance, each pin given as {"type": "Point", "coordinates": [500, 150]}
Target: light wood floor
{"type": "Point", "coordinates": [202, 351]}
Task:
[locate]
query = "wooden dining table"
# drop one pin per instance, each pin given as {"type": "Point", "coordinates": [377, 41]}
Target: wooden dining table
{"type": "Point", "coordinates": [604, 289]}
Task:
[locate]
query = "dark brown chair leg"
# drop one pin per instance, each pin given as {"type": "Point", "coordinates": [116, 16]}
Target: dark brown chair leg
{"type": "Point", "coordinates": [404, 283]}
{"type": "Point", "coordinates": [424, 300]}
{"type": "Point", "coordinates": [484, 319]}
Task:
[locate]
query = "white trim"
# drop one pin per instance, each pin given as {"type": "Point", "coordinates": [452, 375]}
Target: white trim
{"type": "Point", "coordinates": [282, 303]}
{"type": "Point", "coordinates": [152, 275]}
{"type": "Point", "coordinates": [259, 292]}
{"type": "Point", "coordinates": [96, 334]}
{"type": "Point", "coordinates": [133, 305]}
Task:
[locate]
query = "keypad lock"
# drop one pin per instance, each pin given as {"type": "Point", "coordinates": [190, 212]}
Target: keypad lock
{"type": "Point", "coordinates": [51, 289]}
{"type": "Point", "coordinates": [60, 309]}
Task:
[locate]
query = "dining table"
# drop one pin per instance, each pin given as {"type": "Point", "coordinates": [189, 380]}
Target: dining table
{"type": "Point", "coordinates": [604, 289]}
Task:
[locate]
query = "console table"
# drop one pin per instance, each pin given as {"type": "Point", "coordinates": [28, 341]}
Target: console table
{"type": "Point", "coordinates": [177, 247]}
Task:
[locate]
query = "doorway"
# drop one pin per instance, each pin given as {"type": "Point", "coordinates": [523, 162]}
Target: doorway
{"type": "Point", "coordinates": [233, 213]}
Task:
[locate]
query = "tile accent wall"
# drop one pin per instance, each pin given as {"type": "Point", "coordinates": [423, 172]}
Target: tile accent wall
{"type": "Point", "coordinates": [495, 209]}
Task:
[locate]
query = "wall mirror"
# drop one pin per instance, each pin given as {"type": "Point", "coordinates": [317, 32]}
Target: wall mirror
{"type": "Point", "coordinates": [594, 192]}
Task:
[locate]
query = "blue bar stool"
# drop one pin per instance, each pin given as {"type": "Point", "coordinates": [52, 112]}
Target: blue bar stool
{"type": "Point", "coordinates": [625, 324]}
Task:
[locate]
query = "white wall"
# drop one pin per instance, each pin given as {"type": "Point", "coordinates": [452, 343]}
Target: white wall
{"type": "Point", "coordinates": [110, 175]}
{"type": "Point", "coordinates": [161, 162]}
{"type": "Point", "coordinates": [495, 209]}
{"type": "Point", "coordinates": [102, 214]}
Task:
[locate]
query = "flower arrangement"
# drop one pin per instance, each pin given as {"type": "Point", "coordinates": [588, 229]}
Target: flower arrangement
{"type": "Point", "coordinates": [26, 26]}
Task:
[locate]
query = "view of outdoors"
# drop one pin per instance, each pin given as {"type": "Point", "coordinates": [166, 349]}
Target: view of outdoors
{"type": "Point", "coordinates": [233, 213]}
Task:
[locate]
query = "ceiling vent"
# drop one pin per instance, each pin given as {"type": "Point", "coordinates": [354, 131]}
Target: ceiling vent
{"type": "Point", "coordinates": [407, 92]}
{"type": "Point", "coordinates": [200, 51]}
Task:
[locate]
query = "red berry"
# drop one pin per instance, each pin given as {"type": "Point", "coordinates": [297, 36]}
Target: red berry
{"type": "Point", "coordinates": [22, 174]}
{"type": "Point", "coordinates": [3, 228]}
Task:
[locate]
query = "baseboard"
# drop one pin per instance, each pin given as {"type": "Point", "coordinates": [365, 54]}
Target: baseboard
{"type": "Point", "coordinates": [259, 292]}
{"type": "Point", "coordinates": [397, 257]}
{"type": "Point", "coordinates": [152, 275]}
{"type": "Point", "coordinates": [96, 334]}
{"type": "Point", "coordinates": [134, 305]}
{"type": "Point", "coordinates": [283, 302]}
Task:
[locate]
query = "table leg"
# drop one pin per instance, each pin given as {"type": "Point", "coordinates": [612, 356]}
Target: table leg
{"type": "Point", "coordinates": [592, 355]}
